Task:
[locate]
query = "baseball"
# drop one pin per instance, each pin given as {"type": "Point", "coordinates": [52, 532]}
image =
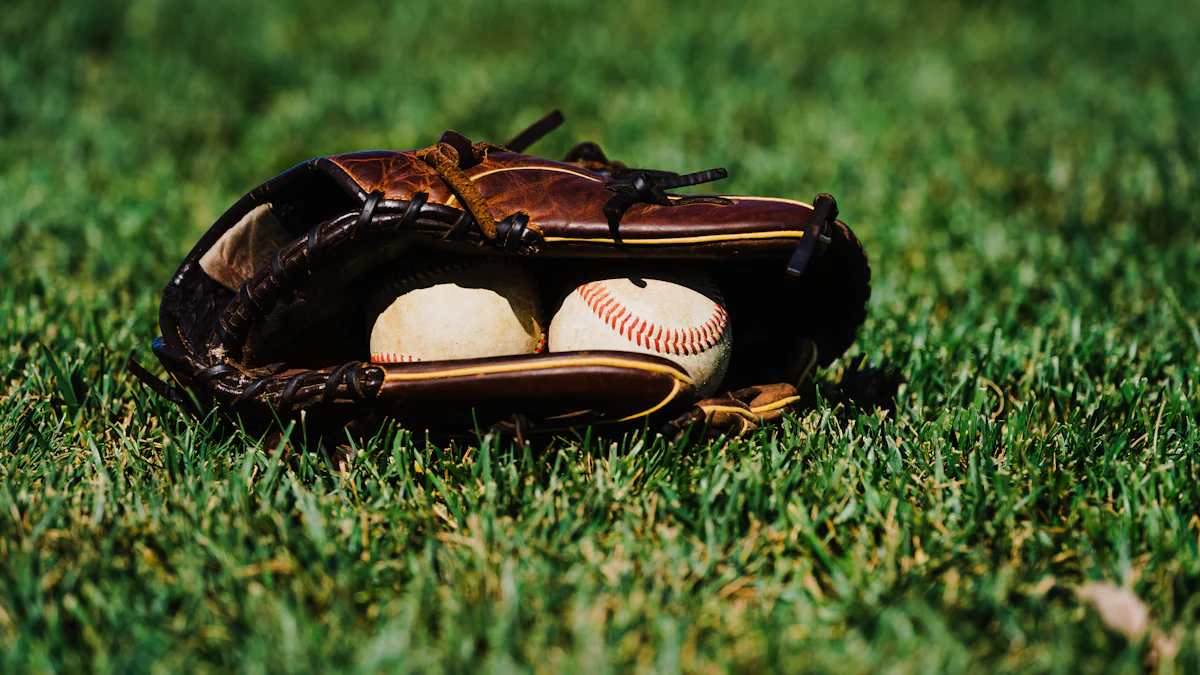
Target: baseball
{"type": "Point", "coordinates": [466, 309]}
{"type": "Point", "coordinates": [679, 315]}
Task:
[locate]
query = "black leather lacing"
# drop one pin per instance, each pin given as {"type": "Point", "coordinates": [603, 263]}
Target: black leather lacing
{"type": "Point", "coordinates": [213, 372]}
{"type": "Point", "coordinates": [824, 213]}
{"type": "Point", "coordinates": [250, 392]}
{"type": "Point", "coordinates": [334, 379]}
{"type": "Point", "coordinates": [294, 384]}
{"type": "Point", "coordinates": [344, 381]}
{"type": "Point", "coordinates": [260, 294]}
{"type": "Point", "coordinates": [632, 186]}
{"type": "Point", "coordinates": [535, 132]}
{"type": "Point", "coordinates": [368, 211]}
{"type": "Point", "coordinates": [413, 210]}
{"type": "Point", "coordinates": [648, 187]}
{"type": "Point", "coordinates": [588, 152]}
{"type": "Point", "coordinates": [172, 393]}
{"type": "Point", "coordinates": [256, 297]}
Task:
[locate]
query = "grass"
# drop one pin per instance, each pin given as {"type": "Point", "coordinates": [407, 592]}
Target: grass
{"type": "Point", "coordinates": [1025, 177]}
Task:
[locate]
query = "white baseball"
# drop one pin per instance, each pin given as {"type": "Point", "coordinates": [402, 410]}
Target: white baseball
{"type": "Point", "coordinates": [467, 309]}
{"type": "Point", "coordinates": [679, 316]}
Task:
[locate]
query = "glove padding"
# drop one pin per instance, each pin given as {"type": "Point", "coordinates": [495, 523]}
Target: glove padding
{"type": "Point", "coordinates": [264, 318]}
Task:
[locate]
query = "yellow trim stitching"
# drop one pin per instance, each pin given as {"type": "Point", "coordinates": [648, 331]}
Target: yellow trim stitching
{"type": "Point", "coordinates": [699, 239]}
{"type": "Point", "coordinates": [777, 200]}
{"type": "Point", "coordinates": [597, 179]}
{"type": "Point", "coordinates": [467, 371]}
{"type": "Point", "coordinates": [661, 404]}
{"type": "Point", "coordinates": [556, 169]}
{"type": "Point", "coordinates": [710, 409]}
{"type": "Point", "coordinates": [781, 403]}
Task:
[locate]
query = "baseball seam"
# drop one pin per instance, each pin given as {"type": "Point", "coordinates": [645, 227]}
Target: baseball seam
{"type": "Point", "coordinates": [647, 334]}
{"type": "Point", "coordinates": [390, 357]}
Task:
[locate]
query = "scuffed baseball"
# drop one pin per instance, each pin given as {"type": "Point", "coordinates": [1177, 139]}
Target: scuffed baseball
{"type": "Point", "coordinates": [678, 315]}
{"type": "Point", "coordinates": [467, 309]}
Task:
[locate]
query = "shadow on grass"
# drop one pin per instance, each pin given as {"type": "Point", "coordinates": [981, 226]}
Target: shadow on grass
{"type": "Point", "coordinates": [866, 388]}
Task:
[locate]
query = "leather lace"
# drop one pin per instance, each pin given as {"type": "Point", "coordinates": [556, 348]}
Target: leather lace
{"type": "Point", "coordinates": [444, 159]}
{"type": "Point", "coordinates": [514, 234]}
{"type": "Point", "coordinates": [633, 186]}
{"type": "Point", "coordinates": [648, 187]}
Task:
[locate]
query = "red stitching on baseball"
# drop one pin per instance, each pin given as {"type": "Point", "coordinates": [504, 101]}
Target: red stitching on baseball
{"type": "Point", "coordinates": [678, 341]}
{"type": "Point", "coordinates": [389, 357]}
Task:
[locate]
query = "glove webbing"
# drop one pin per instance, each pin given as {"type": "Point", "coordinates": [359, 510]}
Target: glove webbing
{"type": "Point", "coordinates": [261, 292]}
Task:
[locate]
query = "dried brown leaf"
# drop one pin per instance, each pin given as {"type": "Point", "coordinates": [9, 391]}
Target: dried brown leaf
{"type": "Point", "coordinates": [1119, 608]}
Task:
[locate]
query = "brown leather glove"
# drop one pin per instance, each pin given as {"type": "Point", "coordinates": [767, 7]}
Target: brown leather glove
{"type": "Point", "coordinates": [263, 319]}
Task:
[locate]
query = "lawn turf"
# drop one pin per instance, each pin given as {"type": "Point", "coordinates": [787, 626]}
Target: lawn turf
{"type": "Point", "coordinates": [1026, 181]}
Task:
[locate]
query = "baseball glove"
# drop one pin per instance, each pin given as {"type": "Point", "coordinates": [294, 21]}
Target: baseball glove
{"type": "Point", "coordinates": [263, 318]}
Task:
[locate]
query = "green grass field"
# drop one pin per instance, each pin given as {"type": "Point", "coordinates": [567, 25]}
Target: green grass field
{"type": "Point", "coordinates": [1026, 180]}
